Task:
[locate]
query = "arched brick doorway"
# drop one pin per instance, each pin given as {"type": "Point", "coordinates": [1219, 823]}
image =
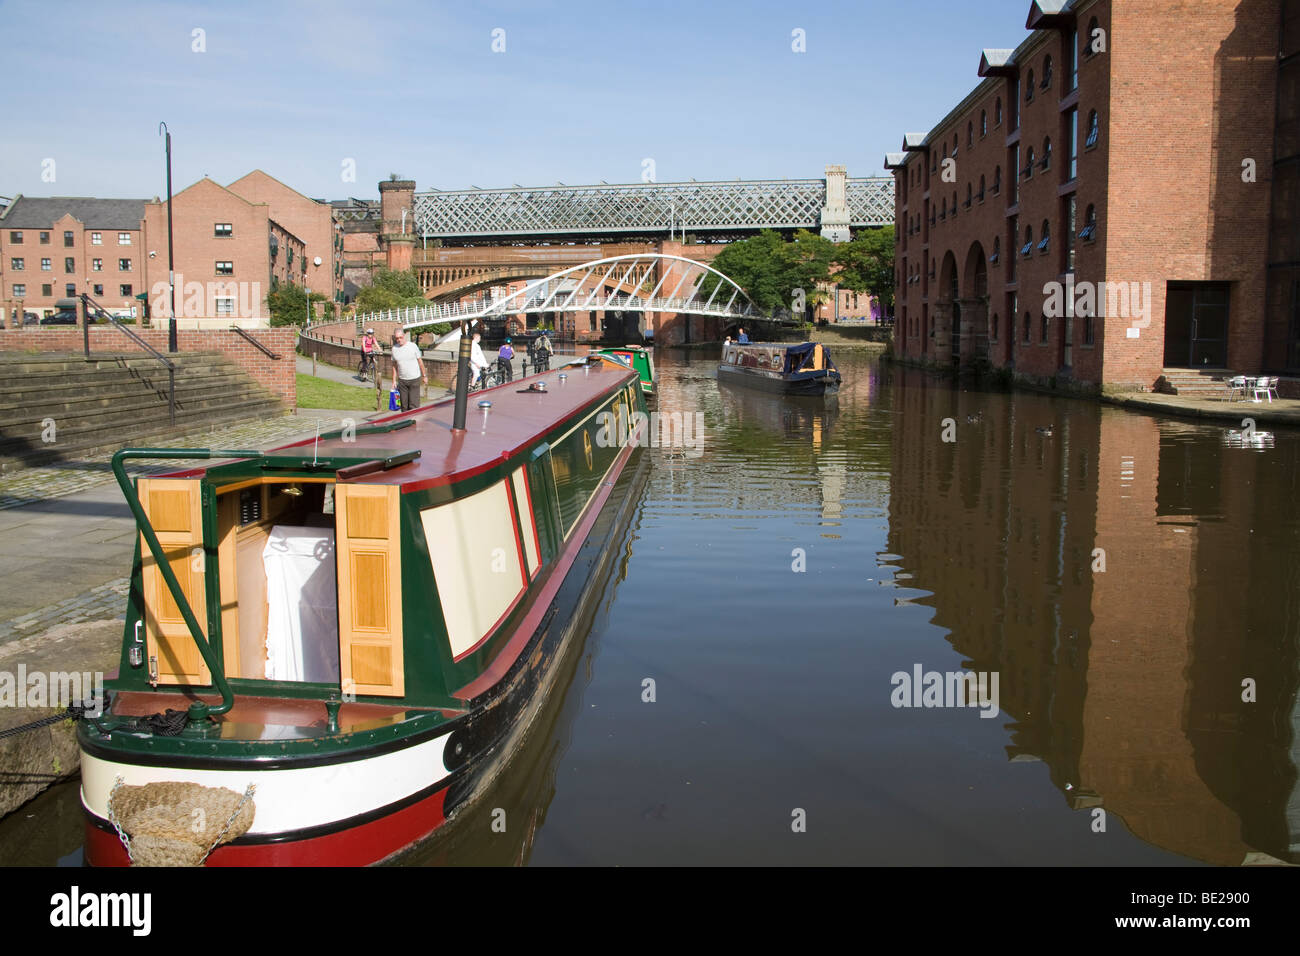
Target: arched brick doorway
{"type": "Point", "coordinates": [974, 305]}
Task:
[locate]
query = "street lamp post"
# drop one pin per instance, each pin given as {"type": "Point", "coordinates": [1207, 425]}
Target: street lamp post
{"type": "Point", "coordinates": [171, 257]}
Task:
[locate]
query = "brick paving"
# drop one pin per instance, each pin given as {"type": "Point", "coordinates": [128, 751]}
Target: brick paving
{"type": "Point", "coordinates": [55, 481]}
{"type": "Point", "coordinates": [106, 602]}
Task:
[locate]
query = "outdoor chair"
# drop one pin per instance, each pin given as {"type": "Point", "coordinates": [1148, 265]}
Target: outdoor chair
{"type": "Point", "coordinates": [1262, 388]}
{"type": "Point", "coordinates": [1235, 385]}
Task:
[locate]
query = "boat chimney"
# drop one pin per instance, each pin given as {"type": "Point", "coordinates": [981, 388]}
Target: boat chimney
{"type": "Point", "coordinates": [462, 381]}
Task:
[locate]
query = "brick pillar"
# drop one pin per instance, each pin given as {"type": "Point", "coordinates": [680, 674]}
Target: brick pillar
{"type": "Point", "coordinates": [940, 347]}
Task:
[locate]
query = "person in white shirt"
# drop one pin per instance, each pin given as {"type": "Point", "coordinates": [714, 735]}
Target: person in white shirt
{"type": "Point", "coordinates": [477, 360]}
{"type": "Point", "coordinates": [408, 371]}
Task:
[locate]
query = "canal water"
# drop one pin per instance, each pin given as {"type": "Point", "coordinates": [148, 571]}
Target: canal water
{"type": "Point", "coordinates": [758, 682]}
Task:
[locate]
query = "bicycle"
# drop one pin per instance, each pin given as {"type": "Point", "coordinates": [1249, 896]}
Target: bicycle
{"type": "Point", "coordinates": [488, 378]}
{"type": "Point", "coordinates": [367, 367]}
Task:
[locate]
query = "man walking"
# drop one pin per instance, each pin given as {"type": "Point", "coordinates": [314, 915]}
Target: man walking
{"type": "Point", "coordinates": [408, 371]}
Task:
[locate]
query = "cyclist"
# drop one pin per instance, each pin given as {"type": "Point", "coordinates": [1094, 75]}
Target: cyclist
{"type": "Point", "coordinates": [368, 349]}
{"type": "Point", "coordinates": [478, 362]}
{"type": "Point", "coordinates": [544, 351]}
{"type": "Point", "coordinates": [504, 359]}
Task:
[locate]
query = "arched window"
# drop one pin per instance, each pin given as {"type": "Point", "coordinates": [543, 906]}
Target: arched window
{"type": "Point", "coordinates": [1028, 320]}
{"type": "Point", "coordinates": [1029, 87]}
{"type": "Point", "coordinates": [997, 112]}
{"type": "Point", "coordinates": [984, 123]}
{"type": "Point", "coordinates": [970, 134]}
{"type": "Point", "coordinates": [1089, 231]}
{"type": "Point", "coordinates": [981, 192]}
{"type": "Point", "coordinates": [968, 195]}
{"type": "Point", "coordinates": [1043, 334]}
{"type": "Point", "coordinates": [1046, 162]}
{"type": "Point", "coordinates": [1028, 171]}
{"type": "Point", "coordinates": [1047, 72]}
{"type": "Point", "coordinates": [997, 250]}
{"type": "Point", "coordinates": [954, 146]}
{"type": "Point", "coordinates": [1027, 249]}
{"type": "Point", "coordinates": [954, 202]}
{"type": "Point", "coordinates": [1090, 38]}
{"type": "Point", "coordinates": [1045, 239]}
{"type": "Point", "coordinates": [1094, 131]}
{"type": "Point", "coordinates": [997, 180]}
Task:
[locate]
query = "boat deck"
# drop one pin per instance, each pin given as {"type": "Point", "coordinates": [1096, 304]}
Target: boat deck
{"type": "Point", "coordinates": [515, 421]}
{"type": "Point", "coordinates": [275, 718]}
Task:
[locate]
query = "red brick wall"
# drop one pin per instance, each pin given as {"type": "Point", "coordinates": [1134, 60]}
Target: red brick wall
{"type": "Point", "coordinates": [1180, 210]}
{"type": "Point", "coordinates": [1184, 92]}
{"type": "Point", "coordinates": [277, 377]}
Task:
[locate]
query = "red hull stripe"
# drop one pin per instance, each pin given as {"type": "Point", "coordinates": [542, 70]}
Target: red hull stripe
{"type": "Point", "coordinates": [361, 845]}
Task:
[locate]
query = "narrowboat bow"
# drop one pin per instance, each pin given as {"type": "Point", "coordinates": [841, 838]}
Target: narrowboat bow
{"type": "Point", "coordinates": [804, 369]}
{"type": "Point", "coordinates": [637, 357]}
{"type": "Point", "coordinates": [354, 633]}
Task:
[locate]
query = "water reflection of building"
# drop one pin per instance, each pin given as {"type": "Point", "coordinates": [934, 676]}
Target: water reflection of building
{"type": "Point", "coordinates": [1126, 682]}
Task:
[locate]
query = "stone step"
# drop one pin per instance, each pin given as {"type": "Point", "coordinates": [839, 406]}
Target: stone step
{"type": "Point", "coordinates": [72, 401]}
{"type": "Point", "coordinates": [34, 454]}
{"type": "Point", "coordinates": [109, 416]}
{"type": "Point", "coordinates": [101, 405]}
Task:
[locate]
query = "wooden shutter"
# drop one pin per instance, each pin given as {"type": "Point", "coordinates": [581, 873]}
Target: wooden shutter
{"type": "Point", "coordinates": [370, 589]}
{"type": "Point", "coordinates": [174, 508]}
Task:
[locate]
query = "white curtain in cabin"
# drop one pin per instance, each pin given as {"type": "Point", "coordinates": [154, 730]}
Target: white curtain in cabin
{"type": "Point", "coordinates": [302, 629]}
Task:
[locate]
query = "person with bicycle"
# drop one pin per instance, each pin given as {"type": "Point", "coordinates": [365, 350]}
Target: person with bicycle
{"type": "Point", "coordinates": [544, 352]}
{"type": "Point", "coordinates": [478, 362]}
{"type": "Point", "coordinates": [369, 346]}
{"type": "Point", "coordinates": [505, 358]}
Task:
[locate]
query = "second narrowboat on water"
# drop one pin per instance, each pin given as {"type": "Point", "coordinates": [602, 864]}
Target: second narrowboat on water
{"type": "Point", "coordinates": [802, 369]}
{"type": "Point", "coordinates": [637, 357]}
{"type": "Point", "coordinates": [348, 638]}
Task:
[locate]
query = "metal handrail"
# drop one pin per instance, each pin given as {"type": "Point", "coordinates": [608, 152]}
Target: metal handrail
{"type": "Point", "coordinates": [274, 356]}
{"type": "Point", "coordinates": [198, 710]}
{"type": "Point", "coordinates": [87, 303]}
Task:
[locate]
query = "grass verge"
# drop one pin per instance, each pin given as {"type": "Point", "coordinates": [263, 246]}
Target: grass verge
{"type": "Point", "coordinates": [322, 393]}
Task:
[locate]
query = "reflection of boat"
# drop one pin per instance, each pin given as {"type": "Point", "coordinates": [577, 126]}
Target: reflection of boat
{"type": "Point", "coordinates": [791, 416]}
{"type": "Point", "coordinates": [637, 357]}
{"type": "Point", "coordinates": [526, 785]}
{"type": "Point", "coordinates": [463, 575]}
{"type": "Point", "coordinates": [804, 369]}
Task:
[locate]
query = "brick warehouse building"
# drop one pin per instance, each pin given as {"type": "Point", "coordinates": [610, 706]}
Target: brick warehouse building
{"type": "Point", "coordinates": [1149, 147]}
{"type": "Point", "coordinates": [233, 245]}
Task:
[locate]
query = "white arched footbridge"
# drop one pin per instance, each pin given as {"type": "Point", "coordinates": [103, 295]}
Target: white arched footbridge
{"type": "Point", "coordinates": [649, 282]}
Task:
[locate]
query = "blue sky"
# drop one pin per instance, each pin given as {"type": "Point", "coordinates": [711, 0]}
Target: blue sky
{"type": "Point", "coordinates": [583, 92]}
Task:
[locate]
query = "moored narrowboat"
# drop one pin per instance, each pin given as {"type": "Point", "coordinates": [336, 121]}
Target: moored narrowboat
{"type": "Point", "coordinates": [803, 369]}
{"type": "Point", "coordinates": [352, 634]}
{"type": "Point", "coordinates": [637, 357]}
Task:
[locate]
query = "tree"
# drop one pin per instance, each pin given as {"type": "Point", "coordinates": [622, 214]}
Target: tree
{"type": "Point", "coordinates": [867, 265]}
{"type": "Point", "coordinates": [287, 304]}
{"type": "Point", "coordinates": [770, 270]}
{"type": "Point", "coordinates": [390, 289]}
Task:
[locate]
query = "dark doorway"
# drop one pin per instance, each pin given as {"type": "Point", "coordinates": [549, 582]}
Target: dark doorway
{"type": "Point", "coordinates": [1196, 325]}
{"type": "Point", "coordinates": [956, 332]}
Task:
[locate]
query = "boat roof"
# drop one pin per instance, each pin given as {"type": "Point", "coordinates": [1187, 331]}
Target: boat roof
{"type": "Point", "coordinates": [773, 345]}
{"type": "Point", "coordinates": [517, 419]}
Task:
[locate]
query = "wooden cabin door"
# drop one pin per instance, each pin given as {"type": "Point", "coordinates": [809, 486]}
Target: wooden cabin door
{"type": "Point", "coordinates": [174, 508]}
{"type": "Point", "coordinates": [368, 540]}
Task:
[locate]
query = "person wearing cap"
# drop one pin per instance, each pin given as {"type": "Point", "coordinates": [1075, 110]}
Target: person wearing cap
{"type": "Point", "coordinates": [368, 348]}
{"type": "Point", "coordinates": [504, 359]}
